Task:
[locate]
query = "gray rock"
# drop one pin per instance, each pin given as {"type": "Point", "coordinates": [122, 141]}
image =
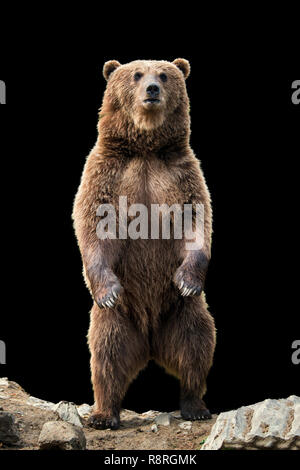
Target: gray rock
{"type": "Point", "coordinates": [9, 434]}
{"type": "Point", "coordinates": [3, 382]}
{"type": "Point", "coordinates": [271, 424]}
{"type": "Point", "coordinates": [45, 405]}
{"type": "Point", "coordinates": [84, 410]}
{"type": "Point", "coordinates": [59, 435]}
{"type": "Point", "coordinates": [163, 419]}
{"type": "Point", "coordinates": [187, 425]}
{"type": "Point", "coordinates": [68, 412]}
{"type": "Point", "coordinates": [176, 414]}
{"type": "Point", "coordinates": [154, 428]}
{"type": "Point", "coordinates": [149, 415]}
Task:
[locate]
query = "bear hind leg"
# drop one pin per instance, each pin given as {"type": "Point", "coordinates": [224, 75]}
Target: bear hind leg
{"type": "Point", "coordinates": [184, 345]}
{"type": "Point", "coordinates": [118, 353]}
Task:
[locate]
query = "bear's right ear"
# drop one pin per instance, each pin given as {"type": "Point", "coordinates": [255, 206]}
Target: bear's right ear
{"type": "Point", "coordinates": [109, 68]}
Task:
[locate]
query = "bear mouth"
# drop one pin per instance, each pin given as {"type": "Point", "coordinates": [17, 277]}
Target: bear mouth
{"type": "Point", "coordinates": [152, 100]}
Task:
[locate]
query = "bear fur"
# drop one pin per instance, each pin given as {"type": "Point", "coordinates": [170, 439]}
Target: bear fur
{"type": "Point", "coordinates": [148, 293]}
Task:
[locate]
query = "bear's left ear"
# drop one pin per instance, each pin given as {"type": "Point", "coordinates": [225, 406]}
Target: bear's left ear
{"type": "Point", "coordinates": [184, 66]}
{"type": "Point", "coordinates": [109, 68]}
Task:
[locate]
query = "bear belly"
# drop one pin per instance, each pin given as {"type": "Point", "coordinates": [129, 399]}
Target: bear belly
{"type": "Point", "coordinates": [146, 272]}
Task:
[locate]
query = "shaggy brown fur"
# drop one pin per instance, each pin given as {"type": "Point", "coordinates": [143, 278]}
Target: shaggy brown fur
{"type": "Point", "coordinates": [143, 152]}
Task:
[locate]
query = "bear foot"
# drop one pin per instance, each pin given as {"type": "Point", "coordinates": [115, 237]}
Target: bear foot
{"type": "Point", "coordinates": [99, 421]}
{"type": "Point", "coordinates": [194, 409]}
{"type": "Point", "coordinates": [196, 415]}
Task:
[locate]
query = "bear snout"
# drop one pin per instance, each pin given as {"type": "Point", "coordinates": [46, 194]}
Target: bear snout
{"type": "Point", "coordinates": [152, 95]}
{"type": "Point", "coordinates": [153, 91]}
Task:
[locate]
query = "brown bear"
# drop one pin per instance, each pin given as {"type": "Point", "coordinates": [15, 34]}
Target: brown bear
{"type": "Point", "coordinates": [148, 292]}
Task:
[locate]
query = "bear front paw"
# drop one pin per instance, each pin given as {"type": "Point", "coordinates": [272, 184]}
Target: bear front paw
{"type": "Point", "coordinates": [189, 289]}
{"type": "Point", "coordinates": [107, 296]}
{"type": "Point", "coordinates": [187, 284]}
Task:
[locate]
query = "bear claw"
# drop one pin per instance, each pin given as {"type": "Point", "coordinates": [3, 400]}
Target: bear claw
{"type": "Point", "coordinates": [189, 290]}
{"type": "Point", "coordinates": [198, 415]}
{"type": "Point", "coordinates": [110, 299]}
{"type": "Point", "coordinates": [109, 303]}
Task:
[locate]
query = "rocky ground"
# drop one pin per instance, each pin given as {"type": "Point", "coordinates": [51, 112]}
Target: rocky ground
{"type": "Point", "coordinates": [29, 423]}
{"type": "Point", "coordinates": [23, 418]}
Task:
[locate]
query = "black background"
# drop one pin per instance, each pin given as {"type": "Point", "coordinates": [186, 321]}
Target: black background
{"type": "Point", "coordinates": [245, 131]}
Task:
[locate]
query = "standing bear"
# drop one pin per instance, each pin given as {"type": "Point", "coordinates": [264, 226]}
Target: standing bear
{"type": "Point", "coordinates": [148, 291]}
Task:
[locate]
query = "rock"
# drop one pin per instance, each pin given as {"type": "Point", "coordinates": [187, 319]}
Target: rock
{"type": "Point", "coordinates": [154, 428]}
{"type": "Point", "coordinates": [187, 425]}
{"type": "Point", "coordinates": [271, 424]}
{"type": "Point", "coordinates": [68, 412]}
{"type": "Point", "coordinates": [3, 382]}
{"type": "Point", "coordinates": [84, 410]}
{"type": "Point", "coordinates": [128, 414]}
{"type": "Point", "coordinates": [176, 414]}
{"type": "Point", "coordinates": [59, 435]}
{"type": "Point", "coordinates": [45, 405]}
{"type": "Point", "coordinates": [163, 419]}
{"type": "Point", "coordinates": [9, 434]}
{"type": "Point", "coordinates": [149, 415]}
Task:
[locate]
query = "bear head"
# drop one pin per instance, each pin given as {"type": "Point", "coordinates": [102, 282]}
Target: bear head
{"type": "Point", "coordinates": [146, 94]}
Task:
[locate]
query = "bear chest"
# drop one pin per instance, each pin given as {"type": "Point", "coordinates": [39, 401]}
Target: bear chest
{"type": "Point", "coordinates": [150, 181]}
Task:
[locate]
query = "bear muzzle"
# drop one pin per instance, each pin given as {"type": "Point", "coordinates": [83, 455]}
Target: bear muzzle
{"type": "Point", "coordinates": [153, 95]}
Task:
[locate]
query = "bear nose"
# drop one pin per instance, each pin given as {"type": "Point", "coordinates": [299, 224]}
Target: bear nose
{"type": "Point", "coordinates": [153, 90]}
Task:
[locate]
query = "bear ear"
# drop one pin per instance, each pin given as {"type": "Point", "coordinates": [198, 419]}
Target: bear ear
{"type": "Point", "coordinates": [184, 66]}
{"type": "Point", "coordinates": [109, 68]}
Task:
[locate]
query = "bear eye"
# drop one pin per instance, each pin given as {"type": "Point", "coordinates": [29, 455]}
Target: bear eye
{"type": "Point", "coordinates": [137, 76]}
{"type": "Point", "coordinates": [163, 77]}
